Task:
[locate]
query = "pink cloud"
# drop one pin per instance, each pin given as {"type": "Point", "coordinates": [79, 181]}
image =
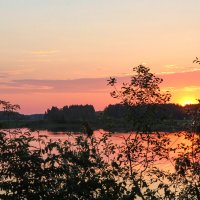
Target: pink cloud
{"type": "Point", "coordinates": [35, 96]}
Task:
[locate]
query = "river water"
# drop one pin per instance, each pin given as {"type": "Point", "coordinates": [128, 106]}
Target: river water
{"type": "Point", "coordinates": [118, 138]}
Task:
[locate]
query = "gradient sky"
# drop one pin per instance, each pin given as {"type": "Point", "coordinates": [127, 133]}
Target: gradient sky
{"type": "Point", "coordinates": [60, 52]}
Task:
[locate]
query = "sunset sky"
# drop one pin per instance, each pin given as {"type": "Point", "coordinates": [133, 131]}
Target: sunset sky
{"type": "Point", "coordinates": [61, 52]}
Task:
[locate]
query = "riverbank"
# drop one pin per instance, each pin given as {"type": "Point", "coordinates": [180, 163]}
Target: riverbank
{"type": "Point", "coordinates": [108, 125]}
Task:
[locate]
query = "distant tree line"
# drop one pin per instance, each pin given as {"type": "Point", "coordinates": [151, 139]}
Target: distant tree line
{"type": "Point", "coordinates": [118, 112]}
{"type": "Point", "coordinates": [71, 113]}
{"type": "Point", "coordinates": [117, 117]}
{"type": "Point", "coordinates": [11, 116]}
{"type": "Point", "coordinates": [17, 116]}
{"type": "Point", "coordinates": [158, 111]}
{"type": "Point", "coordinates": [157, 117]}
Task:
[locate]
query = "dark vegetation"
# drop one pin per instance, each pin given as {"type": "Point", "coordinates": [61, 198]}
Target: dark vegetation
{"type": "Point", "coordinates": [168, 117]}
{"type": "Point", "coordinates": [116, 118]}
{"type": "Point", "coordinates": [86, 168]}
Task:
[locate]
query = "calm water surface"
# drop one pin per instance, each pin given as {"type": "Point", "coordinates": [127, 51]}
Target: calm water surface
{"type": "Point", "coordinates": [118, 138]}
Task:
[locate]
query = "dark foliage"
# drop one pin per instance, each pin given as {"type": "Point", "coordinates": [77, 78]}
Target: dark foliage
{"type": "Point", "coordinates": [71, 113]}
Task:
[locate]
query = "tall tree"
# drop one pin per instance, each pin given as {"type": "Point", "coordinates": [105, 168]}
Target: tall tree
{"type": "Point", "coordinates": [142, 91]}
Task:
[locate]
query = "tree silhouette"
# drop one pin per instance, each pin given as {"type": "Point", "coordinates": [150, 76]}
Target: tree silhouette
{"type": "Point", "coordinates": [8, 107]}
{"type": "Point", "coordinates": [196, 60]}
{"type": "Point", "coordinates": [144, 92]}
{"type": "Point", "coordinates": [142, 89]}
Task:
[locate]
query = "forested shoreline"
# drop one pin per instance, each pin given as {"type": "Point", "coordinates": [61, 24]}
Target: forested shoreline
{"type": "Point", "coordinates": [116, 118]}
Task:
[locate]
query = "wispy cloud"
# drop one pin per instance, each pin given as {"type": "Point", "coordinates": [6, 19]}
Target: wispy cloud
{"type": "Point", "coordinates": [173, 69]}
{"type": "Point", "coordinates": [56, 86]}
{"type": "Point", "coordinates": [180, 71]}
{"type": "Point", "coordinates": [171, 66]}
{"type": "Point", "coordinates": [10, 74]}
{"type": "Point", "coordinates": [3, 75]}
{"type": "Point", "coordinates": [184, 81]}
{"type": "Point", "coordinates": [24, 87]}
{"type": "Point", "coordinates": [190, 88]}
{"type": "Point", "coordinates": [44, 52]}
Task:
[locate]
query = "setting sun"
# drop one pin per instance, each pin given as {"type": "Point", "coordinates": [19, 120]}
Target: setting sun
{"type": "Point", "coordinates": [187, 101]}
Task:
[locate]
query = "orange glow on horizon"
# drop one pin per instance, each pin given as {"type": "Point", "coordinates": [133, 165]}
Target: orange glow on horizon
{"type": "Point", "coordinates": [187, 101]}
